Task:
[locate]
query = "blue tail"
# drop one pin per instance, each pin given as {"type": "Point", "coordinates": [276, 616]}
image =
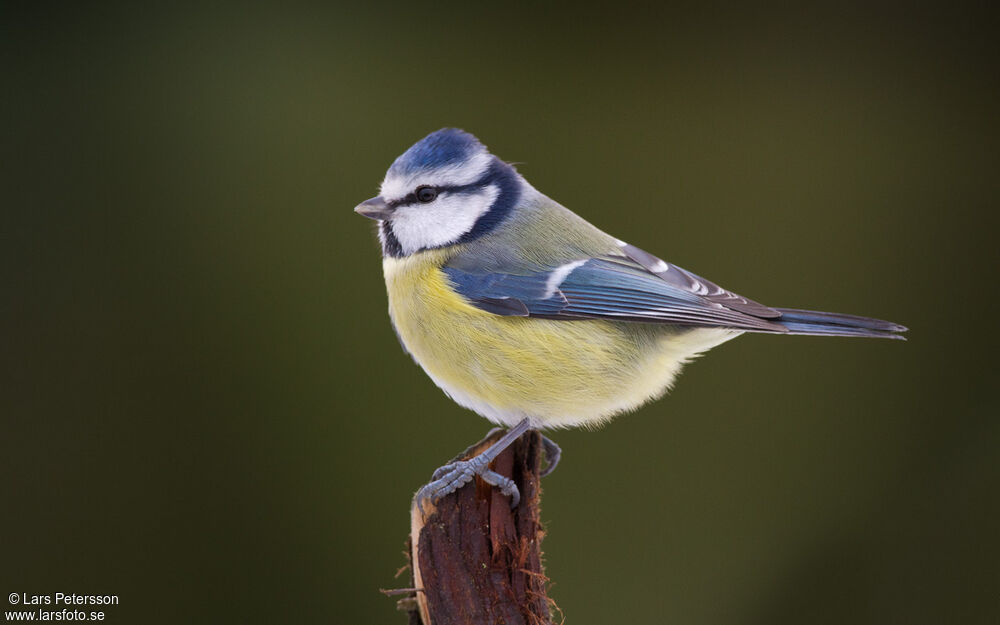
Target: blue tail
{"type": "Point", "coordinates": [834, 324]}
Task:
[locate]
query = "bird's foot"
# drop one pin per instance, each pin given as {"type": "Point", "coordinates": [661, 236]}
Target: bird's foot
{"type": "Point", "coordinates": [452, 476]}
{"type": "Point", "coordinates": [552, 455]}
{"type": "Point", "coordinates": [455, 475]}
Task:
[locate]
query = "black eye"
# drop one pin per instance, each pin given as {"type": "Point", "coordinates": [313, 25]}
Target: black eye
{"type": "Point", "coordinates": [426, 194]}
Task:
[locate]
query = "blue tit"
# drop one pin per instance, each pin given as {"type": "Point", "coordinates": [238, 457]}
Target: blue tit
{"type": "Point", "coordinates": [525, 313]}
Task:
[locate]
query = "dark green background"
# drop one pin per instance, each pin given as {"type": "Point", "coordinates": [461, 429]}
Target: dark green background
{"type": "Point", "coordinates": [205, 411]}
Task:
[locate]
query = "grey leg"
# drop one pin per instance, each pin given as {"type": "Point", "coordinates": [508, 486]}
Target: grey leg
{"type": "Point", "coordinates": [453, 476]}
{"type": "Point", "coordinates": [552, 454]}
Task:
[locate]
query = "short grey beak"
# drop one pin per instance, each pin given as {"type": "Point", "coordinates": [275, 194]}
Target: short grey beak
{"type": "Point", "coordinates": [375, 208]}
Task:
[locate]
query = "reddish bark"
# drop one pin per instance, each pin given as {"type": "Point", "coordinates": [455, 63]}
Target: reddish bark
{"type": "Point", "coordinates": [477, 561]}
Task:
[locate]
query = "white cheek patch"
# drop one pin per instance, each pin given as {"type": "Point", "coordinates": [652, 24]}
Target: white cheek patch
{"type": "Point", "coordinates": [466, 172]}
{"type": "Point", "coordinates": [443, 221]}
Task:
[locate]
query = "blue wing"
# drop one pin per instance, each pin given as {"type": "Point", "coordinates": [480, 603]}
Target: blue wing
{"type": "Point", "coordinates": [634, 286]}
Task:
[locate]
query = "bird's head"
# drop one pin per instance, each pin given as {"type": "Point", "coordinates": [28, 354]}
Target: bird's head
{"type": "Point", "coordinates": [446, 189]}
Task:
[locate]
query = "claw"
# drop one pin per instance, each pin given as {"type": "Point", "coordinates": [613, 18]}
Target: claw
{"type": "Point", "coordinates": [506, 485]}
{"type": "Point", "coordinates": [552, 455]}
{"type": "Point", "coordinates": [441, 471]}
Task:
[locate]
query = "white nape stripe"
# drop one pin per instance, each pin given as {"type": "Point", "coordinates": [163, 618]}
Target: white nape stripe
{"type": "Point", "coordinates": [466, 172]}
{"type": "Point", "coordinates": [559, 275]}
{"type": "Point", "coordinates": [441, 222]}
{"type": "Point", "coordinates": [659, 267]}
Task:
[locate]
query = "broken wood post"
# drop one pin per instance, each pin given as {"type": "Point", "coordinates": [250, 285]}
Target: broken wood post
{"type": "Point", "coordinates": [475, 560]}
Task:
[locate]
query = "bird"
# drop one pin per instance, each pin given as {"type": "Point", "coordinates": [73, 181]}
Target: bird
{"type": "Point", "coordinates": [524, 312]}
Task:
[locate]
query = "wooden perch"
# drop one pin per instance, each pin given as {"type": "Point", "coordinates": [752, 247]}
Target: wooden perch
{"type": "Point", "coordinates": [476, 561]}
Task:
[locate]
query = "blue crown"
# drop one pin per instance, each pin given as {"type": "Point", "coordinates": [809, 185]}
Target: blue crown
{"type": "Point", "coordinates": [447, 146]}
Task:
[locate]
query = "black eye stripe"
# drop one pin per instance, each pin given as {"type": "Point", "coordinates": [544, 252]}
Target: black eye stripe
{"type": "Point", "coordinates": [501, 178]}
{"type": "Point", "coordinates": [411, 198]}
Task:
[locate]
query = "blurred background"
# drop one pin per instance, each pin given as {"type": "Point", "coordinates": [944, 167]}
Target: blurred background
{"type": "Point", "coordinates": [205, 411]}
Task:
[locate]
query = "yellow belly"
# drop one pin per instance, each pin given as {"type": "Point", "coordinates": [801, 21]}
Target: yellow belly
{"type": "Point", "coordinates": [557, 373]}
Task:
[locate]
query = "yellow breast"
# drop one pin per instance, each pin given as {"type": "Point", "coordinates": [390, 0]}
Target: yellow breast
{"type": "Point", "coordinates": [557, 373]}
